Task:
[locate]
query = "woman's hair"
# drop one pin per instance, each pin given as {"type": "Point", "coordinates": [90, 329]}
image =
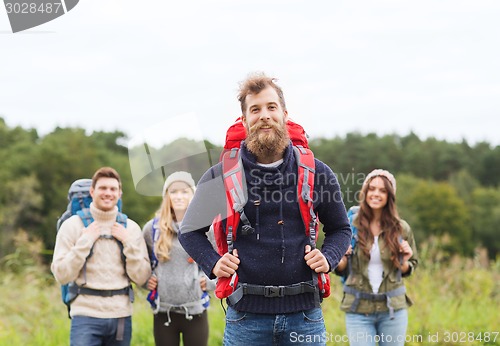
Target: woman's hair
{"type": "Point", "coordinates": [389, 222]}
{"type": "Point", "coordinates": [166, 217]}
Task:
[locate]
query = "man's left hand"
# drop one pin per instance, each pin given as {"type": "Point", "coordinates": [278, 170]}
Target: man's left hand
{"type": "Point", "coordinates": [119, 232]}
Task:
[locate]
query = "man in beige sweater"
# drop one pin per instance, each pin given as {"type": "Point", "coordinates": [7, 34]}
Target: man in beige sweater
{"type": "Point", "coordinates": [101, 313]}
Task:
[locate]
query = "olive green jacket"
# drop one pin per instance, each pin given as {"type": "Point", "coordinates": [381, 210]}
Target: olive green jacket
{"type": "Point", "coordinates": [358, 279]}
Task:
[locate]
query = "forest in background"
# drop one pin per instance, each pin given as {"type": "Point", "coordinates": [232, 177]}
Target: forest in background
{"type": "Point", "coordinates": [448, 192]}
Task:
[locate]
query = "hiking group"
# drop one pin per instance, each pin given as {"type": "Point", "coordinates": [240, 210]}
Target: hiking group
{"type": "Point", "coordinates": [248, 229]}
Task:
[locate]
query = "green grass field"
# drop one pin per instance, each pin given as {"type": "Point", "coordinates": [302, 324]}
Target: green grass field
{"type": "Point", "coordinates": [455, 304]}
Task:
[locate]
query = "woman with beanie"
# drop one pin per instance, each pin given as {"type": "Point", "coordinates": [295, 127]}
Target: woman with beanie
{"type": "Point", "coordinates": [179, 286]}
{"type": "Point", "coordinates": [375, 299]}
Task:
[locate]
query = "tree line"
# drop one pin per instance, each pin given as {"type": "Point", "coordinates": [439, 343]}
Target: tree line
{"type": "Point", "coordinates": [448, 192]}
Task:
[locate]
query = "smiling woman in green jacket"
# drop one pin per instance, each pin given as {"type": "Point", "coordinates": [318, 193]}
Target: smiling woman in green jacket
{"type": "Point", "coordinates": [375, 299]}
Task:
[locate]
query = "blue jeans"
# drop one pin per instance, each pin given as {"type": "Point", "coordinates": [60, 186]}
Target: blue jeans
{"type": "Point", "coordinates": [301, 328]}
{"type": "Point", "coordinates": [91, 331]}
{"type": "Point", "coordinates": [368, 329]}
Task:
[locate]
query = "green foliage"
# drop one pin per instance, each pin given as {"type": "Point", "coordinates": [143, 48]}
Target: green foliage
{"type": "Point", "coordinates": [484, 164]}
{"type": "Point", "coordinates": [26, 257]}
{"type": "Point", "coordinates": [464, 183]}
{"type": "Point", "coordinates": [439, 211]}
{"type": "Point", "coordinates": [490, 164]}
{"type": "Point", "coordinates": [23, 209]}
{"type": "Point", "coordinates": [444, 188]}
{"type": "Point", "coordinates": [432, 159]}
{"type": "Point", "coordinates": [486, 209]}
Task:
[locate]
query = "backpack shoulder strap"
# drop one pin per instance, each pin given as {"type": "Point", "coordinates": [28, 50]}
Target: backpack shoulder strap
{"type": "Point", "coordinates": [351, 215]}
{"type": "Point", "coordinates": [87, 219]}
{"type": "Point", "coordinates": [155, 235]}
{"type": "Point", "coordinates": [306, 168]}
{"type": "Point", "coordinates": [236, 196]}
{"type": "Point", "coordinates": [122, 218]}
{"type": "Point", "coordinates": [85, 216]}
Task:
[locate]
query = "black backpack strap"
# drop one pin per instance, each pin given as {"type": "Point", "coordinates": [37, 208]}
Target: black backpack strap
{"type": "Point", "coordinates": [75, 289]}
{"type": "Point", "coordinates": [87, 219]}
{"type": "Point", "coordinates": [386, 296]}
{"type": "Point", "coordinates": [272, 291]}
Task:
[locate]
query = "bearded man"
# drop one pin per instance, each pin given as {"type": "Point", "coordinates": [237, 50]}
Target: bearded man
{"type": "Point", "coordinates": [277, 253]}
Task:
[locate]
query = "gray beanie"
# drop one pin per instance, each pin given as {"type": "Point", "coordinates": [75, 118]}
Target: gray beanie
{"type": "Point", "coordinates": [383, 173]}
{"type": "Point", "coordinates": [185, 177]}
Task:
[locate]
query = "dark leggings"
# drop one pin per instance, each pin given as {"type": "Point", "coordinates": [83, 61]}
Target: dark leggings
{"type": "Point", "coordinates": [194, 332]}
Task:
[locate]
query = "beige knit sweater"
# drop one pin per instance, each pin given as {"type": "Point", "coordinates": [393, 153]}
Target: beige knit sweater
{"type": "Point", "coordinates": [105, 268]}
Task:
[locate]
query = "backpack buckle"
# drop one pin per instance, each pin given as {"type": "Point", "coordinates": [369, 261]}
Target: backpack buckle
{"type": "Point", "coordinates": [274, 291]}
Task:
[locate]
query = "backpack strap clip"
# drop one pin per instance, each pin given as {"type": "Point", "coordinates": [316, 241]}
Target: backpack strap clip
{"type": "Point", "coordinates": [229, 240]}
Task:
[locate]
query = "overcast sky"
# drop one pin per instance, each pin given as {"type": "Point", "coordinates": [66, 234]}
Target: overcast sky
{"type": "Point", "coordinates": [426, 66]}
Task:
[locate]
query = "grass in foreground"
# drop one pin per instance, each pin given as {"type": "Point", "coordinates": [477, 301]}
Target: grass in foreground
{"type": "Point", "coordinates": [455, 304]}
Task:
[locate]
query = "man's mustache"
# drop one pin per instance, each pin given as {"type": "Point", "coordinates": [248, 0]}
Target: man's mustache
{"type": "Point", "coordinates": [273, 124]}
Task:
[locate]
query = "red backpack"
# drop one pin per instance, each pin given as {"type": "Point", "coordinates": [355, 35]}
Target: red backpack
{"type": "Point", "coordinates": [236, 198]}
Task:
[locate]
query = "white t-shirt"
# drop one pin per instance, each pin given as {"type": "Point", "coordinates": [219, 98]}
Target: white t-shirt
{"type": "Point", "coordinates": [375, 267]}
{"type": "Point", "coordinates": [272, 164]}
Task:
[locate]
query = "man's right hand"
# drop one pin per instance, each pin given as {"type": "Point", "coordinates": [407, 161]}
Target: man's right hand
{"type": "Point", "coordinates": [93, 231]}
{"type": "Point", "coordinates": [226, 265]}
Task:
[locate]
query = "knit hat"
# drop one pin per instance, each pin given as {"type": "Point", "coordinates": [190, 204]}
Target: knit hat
{"type": "Point", "coordinates": [185, 177]}
{"type": "Point", "coordinates": [383, 173]}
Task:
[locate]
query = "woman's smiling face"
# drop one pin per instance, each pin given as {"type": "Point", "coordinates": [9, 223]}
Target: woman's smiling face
{"type": "Point", "coordinates": [376, 194]}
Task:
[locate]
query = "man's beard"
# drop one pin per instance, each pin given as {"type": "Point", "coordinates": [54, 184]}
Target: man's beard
{"type": "Point", "coordinates": [267, 144]}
